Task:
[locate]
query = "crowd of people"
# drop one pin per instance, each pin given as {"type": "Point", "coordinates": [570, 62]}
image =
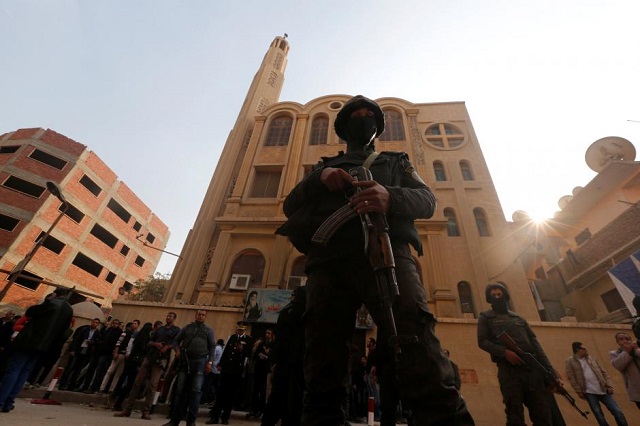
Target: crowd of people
{"type": "Point", "coordinates": [126, 362]}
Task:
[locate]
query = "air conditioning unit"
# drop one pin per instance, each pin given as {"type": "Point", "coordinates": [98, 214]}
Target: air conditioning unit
{"type": "Point", "coordinates": [239, 282]}
{"type": "Point", "coordinates": [296, 281]}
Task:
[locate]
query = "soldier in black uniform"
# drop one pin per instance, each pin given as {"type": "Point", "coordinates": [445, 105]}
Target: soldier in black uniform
{"type": "Point", "coordinates": [231, 367]}
{"type": "Point", "coordinates": [341, 278]}
{"type": "Point", "coordinates": [518, 383]}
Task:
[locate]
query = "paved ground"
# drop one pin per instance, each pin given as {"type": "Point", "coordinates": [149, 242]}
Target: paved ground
{"type": "Point", "coordinates": [88, 414]}
{"type": "Point", "coordinates": [80, 409]}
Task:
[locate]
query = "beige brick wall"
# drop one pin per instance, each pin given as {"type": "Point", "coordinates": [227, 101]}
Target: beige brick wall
{"type": "Point", "coordinates": [483, 396]}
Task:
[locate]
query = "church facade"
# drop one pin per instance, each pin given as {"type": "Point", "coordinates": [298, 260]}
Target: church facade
{"type": "Point", "coordinates": [273, 144]}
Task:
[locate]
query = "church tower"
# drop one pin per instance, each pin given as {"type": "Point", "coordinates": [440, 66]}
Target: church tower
{"type": "Point", "coordinates": [190, 272]}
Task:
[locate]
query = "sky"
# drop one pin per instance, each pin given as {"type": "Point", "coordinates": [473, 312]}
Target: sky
{"type": "Point", "coordinates": [153, 87]}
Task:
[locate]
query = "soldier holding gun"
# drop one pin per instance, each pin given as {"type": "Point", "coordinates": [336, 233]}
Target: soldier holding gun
{"type": "Point", "coordinates": [524, 371]}
{"type": "Point", "coordinates": [341, 278]}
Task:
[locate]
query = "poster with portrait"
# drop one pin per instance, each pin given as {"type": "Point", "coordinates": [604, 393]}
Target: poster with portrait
{"type": "Point", "coordinates": [264, 305]}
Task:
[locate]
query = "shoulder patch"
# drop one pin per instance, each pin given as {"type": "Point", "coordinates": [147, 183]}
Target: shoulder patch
{"type": "Point", "coordinates": [414, 174]}
{"type": "Point", "coordinates": [393, 153]}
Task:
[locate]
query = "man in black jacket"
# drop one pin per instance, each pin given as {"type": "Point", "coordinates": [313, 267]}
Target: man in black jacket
{"type": "Point", "coordinates": [47, 324]}
{"type": "Point", "coordinates": [81, 349]}
{"type": "Point", "coordinates": [341, 277]}
{"type": "Point", "coordinates": [102, 357]}
{"type": "Point", "coordinates": [231, 368]}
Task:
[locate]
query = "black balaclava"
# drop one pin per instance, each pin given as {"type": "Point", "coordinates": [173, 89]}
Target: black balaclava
{"type": "Point", "coordinates": [361, 130]}
{"type": "Point", "coordinates": [498, 304]}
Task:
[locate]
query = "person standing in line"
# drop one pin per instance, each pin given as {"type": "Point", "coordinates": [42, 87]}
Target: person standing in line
{"type": "Point", "coordinates": [261, 369]}
{"type": "Point", "coordinates": [215, 373]}
{"type": "Point", "coordinates": [194, 347]}
{"type": "Point", "coordinates": [231, 367]}
{"type": "Point", "coordinates": [117, 364]}
{"type": "Point", "coordinates": [104, 355]}
{"type": "Point", "coordinates": [626, 359]}
{"type": "Point", "coordinates": [80, 350]}
{"type": "Point", "coordinates": [47, 324]}
{"type": "Point", "coordinates": [591, 382]}
{"type": "Point", "coordinates": [153, 367]}
{"type": "Point", "coordinates": [136, 351]}
{"type": "Point", "coordinates": [6, 331]}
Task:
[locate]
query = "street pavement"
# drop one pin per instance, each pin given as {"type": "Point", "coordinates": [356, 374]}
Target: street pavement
{"type": "Point", "coordinates": [79, 409]}
{"type": "Point", "coordinates": [90, 414]}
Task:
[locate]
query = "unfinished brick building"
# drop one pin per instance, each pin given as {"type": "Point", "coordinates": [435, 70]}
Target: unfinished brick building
{"type": "Point", "coordinates": [104, 241]}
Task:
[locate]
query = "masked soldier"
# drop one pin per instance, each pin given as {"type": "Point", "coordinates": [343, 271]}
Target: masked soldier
{"type": "Point", "coordinates": [340, 278]}
{"type": "Point", "coordinates": [519, 384]}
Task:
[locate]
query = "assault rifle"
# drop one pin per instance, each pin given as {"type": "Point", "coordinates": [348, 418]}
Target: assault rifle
{"type": "Point", "coordinates": [378, 250]}
{"type": "Point", "coordinates": [549, 376]}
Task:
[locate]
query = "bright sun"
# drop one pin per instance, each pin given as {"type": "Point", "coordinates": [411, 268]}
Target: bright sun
{"type": "Point", "coordinates": [540, 216]}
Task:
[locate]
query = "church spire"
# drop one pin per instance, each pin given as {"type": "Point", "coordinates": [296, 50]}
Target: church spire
{"type": "Point", "coordinates": [197, 251]}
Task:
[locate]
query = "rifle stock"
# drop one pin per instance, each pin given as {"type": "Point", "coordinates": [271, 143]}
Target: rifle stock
{"type": "Point", "coordinates": [549, 376]}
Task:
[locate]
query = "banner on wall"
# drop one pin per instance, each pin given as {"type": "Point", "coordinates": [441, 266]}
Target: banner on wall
{"type": "Point", "coordinates": [264, 305]}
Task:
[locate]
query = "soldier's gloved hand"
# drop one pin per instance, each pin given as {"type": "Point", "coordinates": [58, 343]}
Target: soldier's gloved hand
{"type": "Point", "coordinates": [513, 357]}
{"type": "Point", "coordinates": [335, 179]}
{"type": "Point", "coordinates": [372, 197]}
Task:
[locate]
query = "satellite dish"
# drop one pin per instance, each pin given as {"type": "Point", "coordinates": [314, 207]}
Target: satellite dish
{"type": "Point", "coordinates": [520, 215]}
{"type": "Point", "coordinates": [563, 201]}
{"type": "Point", "coordinates": [576, 190]}
{"type": "Point", "coordinates": [612, 148]}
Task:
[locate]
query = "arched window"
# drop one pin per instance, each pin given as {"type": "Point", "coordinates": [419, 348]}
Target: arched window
{"type": "Point", "coordinates": [279, 131]}
{"type": "Point", "coordinates": [249, 262]}
{"type": "Point", "coordinates": [438, 169]}
{"type": "Point", "coordinates": [466, 299]}
{"type": "Point", "coordinates": [465, 168]}
{"type": "Point", "coordinates": [481, 222]}
{"type": "Point", "coordinates": [319, 131]}
{"type": "Point", "coordinates": [452, 223]}
{"type": "Point", "coordinates": [297, 277]}
{"type": "Point", "coordinates": [393, 126]}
